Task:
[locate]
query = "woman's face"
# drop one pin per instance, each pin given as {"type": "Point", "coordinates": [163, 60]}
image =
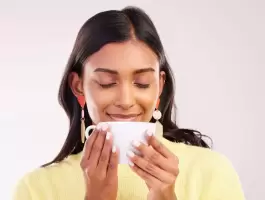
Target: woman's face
{"type": "Point", "coordinates": [121, 82]}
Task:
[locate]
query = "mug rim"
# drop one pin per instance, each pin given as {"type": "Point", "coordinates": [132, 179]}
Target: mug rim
{"type": "Point", "coordinates": [126, 122]}
{"type": "Point", "coordinates": [93, 126]}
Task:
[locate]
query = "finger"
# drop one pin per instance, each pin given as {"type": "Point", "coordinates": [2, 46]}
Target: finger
{"type": "Point", "coordinates": [88, 145]}
{"type": "Point", "coordinates": [113, 163]}
{"type": "Point", "coordinates": [155, 157]}
{"type": "Point", "coordinates": [149, 167]}
{"type": "Point", "coordinates": [105, 154]}
{"type": "Point", "coordinates": [157, 145]}
{"type": "Point", "coordinates": [150, 180]}
{"type": "Point", "coordinates": [97, 146]}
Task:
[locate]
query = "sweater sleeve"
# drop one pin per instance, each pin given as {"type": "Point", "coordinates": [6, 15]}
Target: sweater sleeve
{"type": "Point", "coordinates": [21, 191]}
{"type": "Point", "coordinates": [224, 182]}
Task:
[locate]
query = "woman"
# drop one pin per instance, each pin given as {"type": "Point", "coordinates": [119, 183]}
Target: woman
{"type": "Point", "coordinates": [118, 71]}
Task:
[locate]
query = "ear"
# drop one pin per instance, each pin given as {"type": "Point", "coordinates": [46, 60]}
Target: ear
{"type": "Point", "coordinates": [162, 79]}
{"type": "Point", "coordinates": [76, 84]}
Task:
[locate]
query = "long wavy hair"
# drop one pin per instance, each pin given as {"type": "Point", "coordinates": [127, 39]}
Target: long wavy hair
{"type": "Point", "coordinates": [109, 27]}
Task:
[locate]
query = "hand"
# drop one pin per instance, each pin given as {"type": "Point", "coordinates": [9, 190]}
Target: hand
{"type": "Point", "coordinates": [157, 166]}
{"type": "Point", "coordinates": [100, 165]}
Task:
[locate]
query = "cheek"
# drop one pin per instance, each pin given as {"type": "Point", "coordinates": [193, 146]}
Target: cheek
{"type": "Point", "coordinates": [148, 105]}
{"type": "Point", "coordinates": [96, 102]}
{"type": "Point", "coordinates": [147, 100]}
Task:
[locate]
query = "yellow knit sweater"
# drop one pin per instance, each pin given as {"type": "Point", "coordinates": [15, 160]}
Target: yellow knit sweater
{"type": "Point", "coordinates": [204, 175]}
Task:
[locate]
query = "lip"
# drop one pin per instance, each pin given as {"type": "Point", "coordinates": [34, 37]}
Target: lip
{"type": "Point", "coordinates": [123, 117]}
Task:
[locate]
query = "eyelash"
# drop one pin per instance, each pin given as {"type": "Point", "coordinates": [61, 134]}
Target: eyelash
{"type": "Point", "coordinates": [142, 86]}
{"type": "Point", "coordinates": [105, 86]}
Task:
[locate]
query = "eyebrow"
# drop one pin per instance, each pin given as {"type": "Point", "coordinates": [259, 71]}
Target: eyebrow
{"type": "Point", "coordinates": [110, 71]}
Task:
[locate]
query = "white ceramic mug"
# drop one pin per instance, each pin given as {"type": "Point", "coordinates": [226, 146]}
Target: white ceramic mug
{"type": "Point", "coordinates": [124, 133]}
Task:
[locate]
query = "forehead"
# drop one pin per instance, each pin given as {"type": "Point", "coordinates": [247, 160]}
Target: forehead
{"type": "Point", "coordinates": [126, 56]}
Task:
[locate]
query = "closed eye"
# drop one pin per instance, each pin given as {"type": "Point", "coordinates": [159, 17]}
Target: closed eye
{"type": "Point", "coordinates": [139, 85]}
{"type": "Point", "coordinates": [143, 86]}
{"type": "Point", "coordinates": [107, 85]}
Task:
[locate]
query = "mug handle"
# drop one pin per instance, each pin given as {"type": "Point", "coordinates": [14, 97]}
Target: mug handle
{"type": "Point", "coordinates": [89, 128]}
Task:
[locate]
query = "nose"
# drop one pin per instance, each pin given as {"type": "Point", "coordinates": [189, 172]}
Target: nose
{"type": "Point", "coordinates": [125, 97]}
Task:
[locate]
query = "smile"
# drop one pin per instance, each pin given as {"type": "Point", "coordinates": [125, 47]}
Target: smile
{"type": "Point", "coordinates": [121, 117]}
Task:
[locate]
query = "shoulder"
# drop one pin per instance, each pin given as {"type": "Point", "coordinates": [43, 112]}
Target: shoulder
{"type": "Point", "coordinates": [39, 182]}
{"type": "Point", "coordinates": [199, 158]}
{"type": "Point", "coordinates": [196, 155]}
{"type": "Point", "coordinates": [212, 171]}
{"type": "Point", "coordinates": [68, 165]}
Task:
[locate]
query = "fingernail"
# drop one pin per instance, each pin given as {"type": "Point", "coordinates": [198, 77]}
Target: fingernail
{"type": "Point", "coordinates": [104, 126]}
{"type": "Point", "coordinates": [149, 133]}
{"type": "Point", "coordinates": [136, 143]}
{"type": "Point", "coordinates": [108, 135]}
{"type": "Point", "coordinates": [98, 127]}
{"type": "Point", "coordinates": [130, 154]}
{"type": "Point", "coordinates": [131, 163]}
{"type": "Point", "coordinates": [113, 149]}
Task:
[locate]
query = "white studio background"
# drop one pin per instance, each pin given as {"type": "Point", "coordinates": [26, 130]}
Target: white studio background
{"type": "Point", "coordinates": [216, 49]}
